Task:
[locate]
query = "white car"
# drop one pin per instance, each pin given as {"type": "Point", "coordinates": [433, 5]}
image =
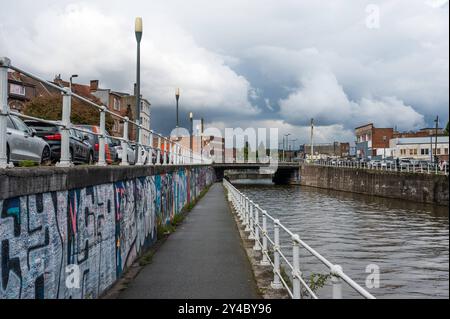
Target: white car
{"type": "Point", "coordinates": [22, 144]}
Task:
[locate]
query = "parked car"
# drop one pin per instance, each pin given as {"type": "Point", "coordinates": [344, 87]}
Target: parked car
{"type": "Point", "coordinates": [22, 143]}
{"type": "Point", "coordinates": [405, 162]}
{"type": "Point", "coordinates": [110, 151]}
{"type": "Point", "coordinates": [374, 164]}
{"type": "Point", "coordinates": [80, 150]}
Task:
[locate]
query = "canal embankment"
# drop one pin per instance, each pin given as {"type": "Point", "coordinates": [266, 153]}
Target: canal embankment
{"type": "Point", "coordinates": [422, 188]}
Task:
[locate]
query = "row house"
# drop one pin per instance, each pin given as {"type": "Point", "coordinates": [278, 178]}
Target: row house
{"type": "Point", "coordinates": [22, 89]}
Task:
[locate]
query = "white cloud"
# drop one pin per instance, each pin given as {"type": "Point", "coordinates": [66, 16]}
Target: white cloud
{"type": "Point", "coordinates": [295, 59]}
{"type": "Point", "coordinates": [83, 39]}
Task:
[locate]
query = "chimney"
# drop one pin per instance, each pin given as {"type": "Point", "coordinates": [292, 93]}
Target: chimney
{"type": "Point", "coordinates": [94, 85]}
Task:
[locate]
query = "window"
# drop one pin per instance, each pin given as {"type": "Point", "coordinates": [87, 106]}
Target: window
{"type": "Point", "coordinates": [415, 151]}
{"type": "Point", "coordinates": [17, 89]}
{"type": "Point", "coordinates": [411, 152]}
{"type": "Point", "coordinates": [438, 151]}
{"type": "Point", "coordinates": [446, 151]}
{"type": "Point", "coordinates": [116, 126]}
{"type": "Point", "coordinates": [116, 104]}
{"type": "Point", "coordinates": [424, 151]}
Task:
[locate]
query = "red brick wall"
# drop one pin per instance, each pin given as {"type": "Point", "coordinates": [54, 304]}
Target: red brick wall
{"type": "Point", "coordinates": [377, 137]}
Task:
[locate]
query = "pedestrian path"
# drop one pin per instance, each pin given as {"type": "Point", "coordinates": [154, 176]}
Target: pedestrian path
{"type": "Point", "coordinates": [204, 258]}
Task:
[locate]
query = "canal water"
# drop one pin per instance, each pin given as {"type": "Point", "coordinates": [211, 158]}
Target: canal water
{"type": "Point", "coordinates": [407, 242]}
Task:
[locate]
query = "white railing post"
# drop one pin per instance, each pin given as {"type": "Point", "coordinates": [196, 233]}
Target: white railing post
{"type": "Point", "coordinates": [257, 246]}
{"type": "Point", "coordinates": [65, 160]}
{"type": "Point", "coordinates": [276, 283]}
{"type": "Point", "coordinates": [165, 152]}
{"type": "Point", "coordinates": [336, 281]}
{"type": "Point", "coordinates": [158, 154]}
{"type": "Point", "coordinates": [240, 204]}
{"type": "Point", "coordinates": [170, 153]}
{"type": "Point", "coordinates": [4, 110]}
{"type": "Point", "coordinates": [150, 154]}
{"type": "Point", "coordinates": [124, 143]}
{"type": "Point", "coordinates": [251, 236]}
{"type": "Point", "coordinates": [247, 213]}
{"type": "Point", "coordinates": [265, 259]}
{"type": "Point", "coordinates": [101, 138]}
{"type": "Point", "coordinates": [296, 274]}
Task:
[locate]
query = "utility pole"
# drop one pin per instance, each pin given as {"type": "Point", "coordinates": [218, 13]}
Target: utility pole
{"type": "Point", "coordinates": [435, 140]}
{"type": "Point", "coordinates": [312, 139]}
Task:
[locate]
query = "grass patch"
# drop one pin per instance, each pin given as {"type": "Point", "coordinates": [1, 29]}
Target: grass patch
{"type": "Point", "coordinates": [27, 163]}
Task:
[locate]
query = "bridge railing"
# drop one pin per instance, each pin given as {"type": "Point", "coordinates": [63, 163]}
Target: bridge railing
{"type": "Point", "coordinates": [387, 166]}
{"type": "Point", "coordinates": [166, 152]}
{"type": "Point", "coordinates": [256, 225]}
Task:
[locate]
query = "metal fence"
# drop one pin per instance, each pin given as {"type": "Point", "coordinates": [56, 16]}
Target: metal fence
{"type": "Point", "coordinates": [386, 166]}
{"type": "Point", "coordinates": [256, 225]}
{"type": "Point", "coordinates": [166, 151]}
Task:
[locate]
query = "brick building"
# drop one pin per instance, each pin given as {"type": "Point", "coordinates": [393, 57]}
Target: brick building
{"type": "Point", "coordinates": [370, 138]}
{"type": "Point", "coordinates": [326, 150]}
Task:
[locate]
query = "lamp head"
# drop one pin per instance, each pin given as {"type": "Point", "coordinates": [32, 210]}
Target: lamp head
{"type": "Point", "coordinates": [177, 93]}
{"type": "Point", "coordinates": [191, 115]}
{"type": "Point", "coordinates": [138, 29]}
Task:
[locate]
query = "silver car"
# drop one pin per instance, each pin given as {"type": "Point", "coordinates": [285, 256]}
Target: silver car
{"type": "Point", "coordinates": [23, 144]}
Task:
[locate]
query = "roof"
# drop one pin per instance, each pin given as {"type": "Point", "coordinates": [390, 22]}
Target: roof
{"type": "Point", "coordinates": [364, 126]}
{"type": "Point", "coordinates": [422, 140]}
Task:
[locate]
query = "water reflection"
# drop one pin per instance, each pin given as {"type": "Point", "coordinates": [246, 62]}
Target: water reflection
{"type": "Point", "coordinates": [408, 241]}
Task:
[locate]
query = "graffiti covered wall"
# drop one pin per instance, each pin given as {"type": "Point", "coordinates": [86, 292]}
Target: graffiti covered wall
{"type": "Point", "coordinates": [77, 243]}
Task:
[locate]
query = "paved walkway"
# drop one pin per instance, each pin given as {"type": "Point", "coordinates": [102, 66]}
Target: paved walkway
{"type": "Point", "coordinates": [204, 258]}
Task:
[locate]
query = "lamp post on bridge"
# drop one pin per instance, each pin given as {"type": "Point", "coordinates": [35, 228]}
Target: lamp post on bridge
{"type": "Point", "coordinates": [138, 32]}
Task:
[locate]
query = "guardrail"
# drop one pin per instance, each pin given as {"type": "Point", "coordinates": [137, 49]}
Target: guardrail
{"type": "Point", "coordinates": [167, 151]}
{"type": "Point", "coordinates": [255, 221]}
{"type": "Point", "coordinates": [387, 166]}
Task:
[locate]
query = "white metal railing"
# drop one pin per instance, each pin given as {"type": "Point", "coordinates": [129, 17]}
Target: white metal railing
{"type": "Point", "coordinates": [166, 151]}
{"type": "Point", "coordinates": [386, 166]}
{"type": "Point", "coordinates": [255, 221]}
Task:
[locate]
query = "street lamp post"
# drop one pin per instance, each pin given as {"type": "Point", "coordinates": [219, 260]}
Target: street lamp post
{"type": "Point", "coordinates": [191, 120]}
{"type": "Point", "coordinates": [72, 77]}
{"type": "Point", "coordinates": [138, 32]}
{"type": "Point", "coordinates": [177, 97]}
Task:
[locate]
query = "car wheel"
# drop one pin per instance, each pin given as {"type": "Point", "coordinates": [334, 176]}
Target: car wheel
{"type": "Point", "coordinates": [45, 158]}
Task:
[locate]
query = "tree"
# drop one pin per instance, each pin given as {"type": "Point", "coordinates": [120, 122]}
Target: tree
{"type": "Point", "coordinates": [446, 130]}
{"type": "Point", "coordinates": [50, 108]}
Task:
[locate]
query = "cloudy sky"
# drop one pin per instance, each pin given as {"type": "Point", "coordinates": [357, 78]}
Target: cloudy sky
{"type": "Point", "coordinates": [250, 64]}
